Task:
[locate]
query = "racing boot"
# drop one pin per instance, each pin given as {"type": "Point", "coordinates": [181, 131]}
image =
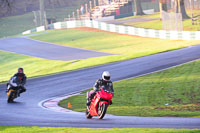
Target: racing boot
{"type": "Point", "coordinates": [18, 92]}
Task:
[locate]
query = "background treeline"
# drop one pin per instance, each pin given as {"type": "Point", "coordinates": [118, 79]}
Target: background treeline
{"type": "Point", "coordinates": [18, 7]}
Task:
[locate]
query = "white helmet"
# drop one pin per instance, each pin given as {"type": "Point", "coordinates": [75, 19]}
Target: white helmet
{"type": "Point", "coordinates": [106, 76]}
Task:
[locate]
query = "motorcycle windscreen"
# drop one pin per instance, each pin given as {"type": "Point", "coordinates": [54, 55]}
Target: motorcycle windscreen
{"type": "Point", "coordinates": [106, 92]}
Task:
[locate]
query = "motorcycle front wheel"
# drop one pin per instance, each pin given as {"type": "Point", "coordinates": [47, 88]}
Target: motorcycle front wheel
{"type": "Point", "coordinates": [10, 96]}
{"type": "Point", "coordinates": [102, 110]}
{"type": "Point", "coordinates": [87, 114]}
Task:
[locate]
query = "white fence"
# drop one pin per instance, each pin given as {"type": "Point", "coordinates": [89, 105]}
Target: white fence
{"type": "Point", "coordinates": [162, 34]}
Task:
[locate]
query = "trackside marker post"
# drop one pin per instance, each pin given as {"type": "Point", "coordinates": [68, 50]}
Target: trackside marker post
{"type": "Point", "coordinates": [69, 105]}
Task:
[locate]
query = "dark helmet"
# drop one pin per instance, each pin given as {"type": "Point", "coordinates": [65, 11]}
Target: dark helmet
{"type": "Point", "coordinates": [20, 70]}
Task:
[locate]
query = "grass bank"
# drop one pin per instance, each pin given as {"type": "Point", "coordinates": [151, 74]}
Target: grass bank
{"type": "Point", "coordinates": [157, 24]}
{"type": "Point", "coordinates": [35, 129]}
{"type": "Point", "coordinates": [15, 25]}
{"type": "Point", "coordinates": [173, 92]}
{"type": "Point", "coordinates": [127, 47]}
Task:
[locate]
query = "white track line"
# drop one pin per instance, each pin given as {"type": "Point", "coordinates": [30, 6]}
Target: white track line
{"type": "Point", "coordinates": [52, 103]}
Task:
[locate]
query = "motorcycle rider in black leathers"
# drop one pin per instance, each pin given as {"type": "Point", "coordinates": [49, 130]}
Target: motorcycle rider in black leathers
{"type": "Point", "coordinates": [20, 79]}
{"type": "Point", "coordinates": [98, 84]}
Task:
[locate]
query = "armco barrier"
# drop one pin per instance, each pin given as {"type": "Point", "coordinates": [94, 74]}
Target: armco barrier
{"type": "Point", "coordinates": [162, 34]}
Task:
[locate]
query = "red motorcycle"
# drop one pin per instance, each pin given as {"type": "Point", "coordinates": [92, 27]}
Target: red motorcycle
{"type": "Point", "coordinates": [99, 103]}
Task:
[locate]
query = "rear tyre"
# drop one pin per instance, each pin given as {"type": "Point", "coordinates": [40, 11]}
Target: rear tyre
{"type": "Point", "coordinates": [10, 97]}
{"type": "Point", "coordinates": [102, 110]}
{"type": "Point", "coordinates": [87, 114]}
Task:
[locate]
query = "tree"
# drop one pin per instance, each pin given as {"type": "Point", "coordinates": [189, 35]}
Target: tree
{"type": "Point", "coordinates": [5, 7]}
{"type": "Point", "coordinates": [179, 7]}
{"type": "Point", "coordinates": [138, 7]}
{"type": "Point", "coordinates": [163, 5]}
{"type": "Point", "coordinates": [5, 2]}
{"type": "Point", "coordinates": [182, 10]}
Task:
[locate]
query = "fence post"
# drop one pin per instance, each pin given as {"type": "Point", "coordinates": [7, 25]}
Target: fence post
{"type": "Point", "coordinates": [86, 10]}
{"type": "Point", "coordinates": [78, 16]}
{"type": "Point", "coordinates": [73, 15]}
{"type": "Point", "coordinates": [95, 3]}
{"type": "Point", "coordinates": [90, 5]}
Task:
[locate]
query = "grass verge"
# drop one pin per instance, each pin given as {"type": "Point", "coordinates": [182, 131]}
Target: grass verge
{"type": "Point", "coordinates": [172, 92]}
{"type": "Point", "coordinates": [157, 24]}
{"type": "Point", "coordinates": [35, 129]}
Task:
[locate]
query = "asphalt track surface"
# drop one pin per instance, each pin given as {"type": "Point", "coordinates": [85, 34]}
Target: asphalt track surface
{"type": "Point", "coordinates": [131, 20]}
{"type": "Point", "coordinates": [26, 111]}
{"type": "Point", "coordinates": [46, 50]}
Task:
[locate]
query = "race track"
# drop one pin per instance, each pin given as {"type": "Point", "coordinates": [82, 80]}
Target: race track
{"type": "Point", "coordinates": [26, 46]}
{"type": "Point", "coordinates": [27, 112]}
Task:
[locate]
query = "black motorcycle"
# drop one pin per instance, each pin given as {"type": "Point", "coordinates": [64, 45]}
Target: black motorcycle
{"type": "Point", "coordinates": [13, 89]}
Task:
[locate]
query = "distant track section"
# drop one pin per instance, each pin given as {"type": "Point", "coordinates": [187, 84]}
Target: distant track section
{"type": "Point", "coordinates": [46, 50]}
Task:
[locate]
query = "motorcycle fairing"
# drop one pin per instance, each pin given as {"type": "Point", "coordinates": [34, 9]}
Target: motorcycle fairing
{"type": "Point", "coordinates": [94, 104]}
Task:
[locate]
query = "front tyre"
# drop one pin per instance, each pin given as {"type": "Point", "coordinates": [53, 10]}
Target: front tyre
{"type": "Point", "coordinates": [87, 114]}
{"type": "Point", "coordinates": [10, 96]}
{"type": "Point", "coordinates": [102, 110]}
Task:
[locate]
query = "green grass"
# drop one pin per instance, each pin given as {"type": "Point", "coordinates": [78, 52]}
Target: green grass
{"type": "Point", "coordinates": [172, 92]}
{"type": "Point", "coordinates": [127, 46]}
{"type": "Point", "coordinates": [153, 24]}
{"type": "Point", "coordinates": [157, 24]}
{"type": "Point", "coordinates": [35, 129]}
{"type": "Point", "coordinates": [9, 62]}
{"type": "Point", "coordinates": [16, 24]}
{"type": "Point", "coordinates": [153, 16]}
{"type": "Point", "coordinates": [11, 26]}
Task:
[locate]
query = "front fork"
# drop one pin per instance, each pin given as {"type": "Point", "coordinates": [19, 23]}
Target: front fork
{"type": "Point", "coordinates": [9, 91]}
{"type": "Point", "coordinates": [101, 103]}
{"type": "Point", "coordinates": [8, 87]}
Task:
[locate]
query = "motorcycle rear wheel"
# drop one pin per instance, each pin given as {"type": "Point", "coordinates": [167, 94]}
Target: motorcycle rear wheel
{"type": "Point", "coordinates": [87, 114]}
{"type": "Point", "coordinates": [10, 97]}
{"type": "Point", "coordinates": [102, 110]}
